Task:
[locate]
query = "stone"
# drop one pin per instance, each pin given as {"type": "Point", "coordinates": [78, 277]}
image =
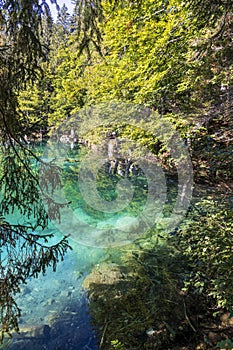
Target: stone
{"type": "Point", "coordinates": [104, 274]}
{"type": "Point", "coordinates": [66, 293]}
{"type": "Point", "coordinates": [42, 332]}
{"type": "Point", "coordinates": [50, 301]}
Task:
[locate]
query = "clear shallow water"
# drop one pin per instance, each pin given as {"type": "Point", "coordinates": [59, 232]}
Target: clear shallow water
{"type": "Point", "coordinates": [106, 209]}
{"type": "Point", "coordinates": [58, 299]}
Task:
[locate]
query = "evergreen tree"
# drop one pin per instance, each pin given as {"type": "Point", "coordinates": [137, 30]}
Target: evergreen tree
{"type": "Point", "coordinates": [47, 29]}
{"type": "Point", "coordinates": [24, 253]}
{"type": "Point", "coordinates": [64, 19]}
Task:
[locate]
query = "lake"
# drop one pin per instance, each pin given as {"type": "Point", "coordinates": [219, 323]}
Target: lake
{"type": "Point", "coordinates": [112, 215]}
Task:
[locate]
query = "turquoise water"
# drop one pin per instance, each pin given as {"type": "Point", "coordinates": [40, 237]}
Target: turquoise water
{"type": "Point", "coordinates": [104, 208]}
{"type": "Point", "coordinates": [57, 299]}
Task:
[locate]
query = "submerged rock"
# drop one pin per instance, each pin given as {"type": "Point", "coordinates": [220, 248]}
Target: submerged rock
{"type": "Point", "coordinates": [103, 274]}
{"type": "Point", "coordinates": [42, 331]}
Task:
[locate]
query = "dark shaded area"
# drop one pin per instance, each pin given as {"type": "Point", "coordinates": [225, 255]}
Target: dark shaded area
{"type": "Point", "coordinates": [69, 330]}
{"type": "Point", "coordinates": [139, 303]}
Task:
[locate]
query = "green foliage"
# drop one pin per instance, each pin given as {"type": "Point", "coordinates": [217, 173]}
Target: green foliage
{"type": "Point", "coordinates": [155, 54]}
{"type": "Point", "coordinates": [137, 42]}
{"type": "Point", "coordinates": [205, 238]}
{"type": "Point", "coordinates": [224, 344]}
{"type": "Point", "coordinates": [25, 249]}
{"type": "Point", "coordinates": [19, 187]}
{"type": "Point", "coordinates": [34, 108]}
{"type": "Point", "coordinates": [24, 252]}
{"type": "Point", "coordinates": [117, 345]}
{"type": "Point", "coordinates": [142, 293]}
{"type": "Point", "coordinates": [209, 11]}
{"type": "Point", "coordinates": [87, 15]}
{"type": "Point", "coordinates": [69, 92]}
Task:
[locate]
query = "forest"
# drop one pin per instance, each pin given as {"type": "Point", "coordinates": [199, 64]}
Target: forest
{"type": "Point", "coordinates": [111, 71]}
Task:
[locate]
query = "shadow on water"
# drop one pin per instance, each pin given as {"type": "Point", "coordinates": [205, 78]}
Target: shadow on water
{"type": "Point", "coordinates": [139, 304]}
{"type": "Point", "coordinates": [68, 330]}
